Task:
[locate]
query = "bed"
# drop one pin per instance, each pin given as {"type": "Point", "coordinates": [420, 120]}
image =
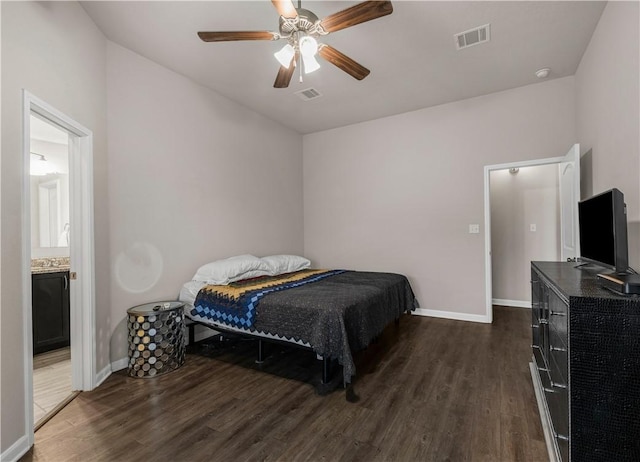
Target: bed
{"type": "Point", "coordinates": [331, 312]}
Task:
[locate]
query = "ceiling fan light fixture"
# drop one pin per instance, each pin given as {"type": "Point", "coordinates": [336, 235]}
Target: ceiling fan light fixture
{"type": "Point", "coordinates": [308, 46]}
{"type": "Point", "coordinates": [300, 27]}
{"type": "Point", "coordinates": [284, 55]}
{"type": "Point", "coordinates": [310, 64]}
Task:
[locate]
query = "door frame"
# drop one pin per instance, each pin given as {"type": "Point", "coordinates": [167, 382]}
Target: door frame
{"type": "Point", "coordinates": [82, 290]}
{"type": "Point", "coordinates": [487, 219]}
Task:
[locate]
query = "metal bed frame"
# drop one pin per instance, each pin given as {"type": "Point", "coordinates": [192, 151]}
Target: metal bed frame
{"type": "Point", "coordinates": [326, 362]}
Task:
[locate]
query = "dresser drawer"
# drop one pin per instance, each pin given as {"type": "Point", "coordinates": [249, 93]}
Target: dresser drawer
{"type": "Point", "coordinates": [545, 378]}
{"type": "Point", "coordinates": [558, 315]}
{"type": "Point", "coordinates": [558, 355]}
{"type": "Point", "coordinates": [558, 402]}
{"type": "Point", "coordinates": [557, 374]}
{"type": "Point", "coordinates": [563, 446]}
{"type": "Point", "coordinates": [539, 358]}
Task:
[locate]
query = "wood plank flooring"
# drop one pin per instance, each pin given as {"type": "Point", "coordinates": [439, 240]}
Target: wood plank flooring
{"type": "Point", "coordinates": [429, 390]}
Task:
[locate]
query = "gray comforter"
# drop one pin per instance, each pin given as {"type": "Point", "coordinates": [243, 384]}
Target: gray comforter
{"type": "Point", "coordinates": [337, 315]}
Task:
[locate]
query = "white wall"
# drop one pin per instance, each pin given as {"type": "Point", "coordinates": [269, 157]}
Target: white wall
{"type": "Point", "coordinates": [56, 52]}
{"type": "Point", "coordinates": [530, 196]}
{"type": "Point", "coordinates": [397, 194]}
{"type": "Point", "coordinates": [193, 177]}
{"type": "Point", "coordinates": [607, 110]}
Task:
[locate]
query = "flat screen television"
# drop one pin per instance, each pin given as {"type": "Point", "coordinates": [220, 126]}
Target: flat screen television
{"type": "Point", "coordinates": [603, 230]}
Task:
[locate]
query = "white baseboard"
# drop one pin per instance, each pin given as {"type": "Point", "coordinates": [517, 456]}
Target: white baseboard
{"type": "Point", "coordinates": [103, 374]}
{"type": "Point", "coordinates": [119, 364]}
{"type": "Point", "coordinates": [514, 303]}
{"type": "Point", "coordinates": [16, 450]}
{"type": "Point", "coordinates": [451, 315]}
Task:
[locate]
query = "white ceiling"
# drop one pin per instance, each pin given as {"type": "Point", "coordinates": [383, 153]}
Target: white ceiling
{"type": "Point", "coordinates": [411, 53]}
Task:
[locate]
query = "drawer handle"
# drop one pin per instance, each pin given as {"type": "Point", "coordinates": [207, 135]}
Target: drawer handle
{"type": "Point", "coordinates": [535, 326]}
{"type": "Point", "coordinates": [543, 321]}
{"type": "Point", "coordinates": [66, 282]}
{"type": "Point", "coordinates": [549, 390]}
{"type": "Point", "coordinates": [558, 313]}
{"type": "Point", "coordinates": [560, 436]}
{"type": "Point", "coordinates": [541, 368]}
{"type": "Point", "coordinates": [558, 349]}
{"type": "Point", "coordinates": [558, 385]}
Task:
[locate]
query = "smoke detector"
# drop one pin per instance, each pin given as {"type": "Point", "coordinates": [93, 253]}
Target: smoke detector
{"type": "Point", "coordinates": [543, 73]}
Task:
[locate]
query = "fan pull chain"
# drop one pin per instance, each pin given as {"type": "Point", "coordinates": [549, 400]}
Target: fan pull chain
{"type": "Point", "coordinates": [300, 66]}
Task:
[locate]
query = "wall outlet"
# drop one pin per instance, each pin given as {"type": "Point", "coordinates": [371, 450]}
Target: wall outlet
{"type": "Point", "coordinates": [532, 227]}
{"type": "Point", "coordinates": [474, 229]}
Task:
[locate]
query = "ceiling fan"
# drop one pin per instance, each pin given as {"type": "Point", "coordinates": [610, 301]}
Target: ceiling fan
{"type": "Point", "coordinates": [300, 27]}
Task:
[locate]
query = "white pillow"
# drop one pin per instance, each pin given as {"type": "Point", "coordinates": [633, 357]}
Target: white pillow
{"type": "Point", "coordinates": [222, 272]}
{"type": "Point", "coordinates": [280, 264]}
{"type": "Point", "coordinates": [250, 275]}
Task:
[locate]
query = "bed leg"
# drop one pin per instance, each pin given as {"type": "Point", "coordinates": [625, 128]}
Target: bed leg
{"type": "Point", "coordinates": [260, 359]}
{"type": "Point", "coordinates": [326, 370]}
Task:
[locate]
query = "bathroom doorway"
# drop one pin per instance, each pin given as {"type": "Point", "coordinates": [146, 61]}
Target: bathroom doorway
{"type": "Point", "coordinates": [50, 266]}
{"type": "Point", "coordinates": [59, 226]}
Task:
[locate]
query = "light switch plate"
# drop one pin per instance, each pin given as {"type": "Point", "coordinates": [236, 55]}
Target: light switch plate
{"type": "Point", "coordinates": [474, 229]}
{"type": "Point", "coordinates": [532, 227]}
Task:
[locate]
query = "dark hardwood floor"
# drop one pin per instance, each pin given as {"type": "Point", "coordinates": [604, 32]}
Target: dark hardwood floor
{"type": "Point", "coordinates": [429, 390]}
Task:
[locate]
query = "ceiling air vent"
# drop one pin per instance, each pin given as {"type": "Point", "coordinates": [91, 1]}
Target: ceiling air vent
{"type": "Point", "coordinates": [309, 94]}
{"type": "Point", "coordinates": [473, 37]}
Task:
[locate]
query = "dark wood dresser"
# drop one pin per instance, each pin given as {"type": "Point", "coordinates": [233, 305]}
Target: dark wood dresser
{"type": "Point", "coordinates": [586, 368]}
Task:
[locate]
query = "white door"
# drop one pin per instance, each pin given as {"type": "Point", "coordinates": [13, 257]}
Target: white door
{"type": "Point", "coordinates": [569, 179]}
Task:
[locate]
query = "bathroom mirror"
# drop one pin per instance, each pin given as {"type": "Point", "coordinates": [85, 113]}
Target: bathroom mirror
{"type": "Point", "coordinates": [49, 169]}
{"type": "Point", "coordinates": [50, 211]}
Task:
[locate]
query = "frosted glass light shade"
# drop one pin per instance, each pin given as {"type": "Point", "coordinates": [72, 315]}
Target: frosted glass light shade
{"type": "Point", "coordinates": [310, 64]}
{"type": "Point", "coordinates": [308, 46]}
{"type": "Point", "coordinates": [284, 55]}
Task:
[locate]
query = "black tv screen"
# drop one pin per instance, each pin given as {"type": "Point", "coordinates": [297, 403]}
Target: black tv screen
{"type": "Point", "coordinates": [603, 230]}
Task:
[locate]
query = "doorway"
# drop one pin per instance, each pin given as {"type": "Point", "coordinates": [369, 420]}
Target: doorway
{"type": "Point", "coordinates": [50, 264]}
{"type": "Point", "coordinates": [568, 168]}
{"type": "Point", "coordinates": [525, 227]}
{"type": "Point", "coordinates": [80, 280]}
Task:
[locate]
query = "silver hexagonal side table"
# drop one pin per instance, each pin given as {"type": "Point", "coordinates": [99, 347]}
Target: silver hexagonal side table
{"type": "Point", "coordinates": [156, 338]}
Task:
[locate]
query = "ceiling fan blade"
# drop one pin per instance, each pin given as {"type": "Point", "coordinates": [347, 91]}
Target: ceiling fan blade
{"type": "Point", "coordinates": [355, 70]}
{"type": "Point", "coordinates": [362, 12]}
{"type": "Point", "coordinates": [284, 75]}
{"type": "Point", "coordinates": [285, 8]}
{"type": "Point", "coordinates": [236, 35]}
